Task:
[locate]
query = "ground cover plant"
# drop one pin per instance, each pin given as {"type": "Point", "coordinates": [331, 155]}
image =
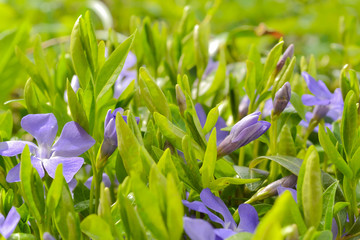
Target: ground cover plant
{"type": "Point", "coordinates": [179, 120]}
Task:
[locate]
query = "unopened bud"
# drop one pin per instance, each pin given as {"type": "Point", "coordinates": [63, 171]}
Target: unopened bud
{"type": "Point", "coordinates": [271, 189]}
{"type": "Point", "coordinates": [282, 98]}
{"type": "Point", "coordinates": [180, 98]}
{"type": "Point", "coordinates": [320, 112]}
{"type": "Point", "coordinates": [289, 52]}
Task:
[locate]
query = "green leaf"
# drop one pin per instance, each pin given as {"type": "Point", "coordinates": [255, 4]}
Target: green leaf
{"type": "Point", "coordinates": [312, 189]}
{"type": "Point", "coordinates": [41, 64]}
{"type": "Point", "coordinates": [129, 147]}
{"type": "Point", "coordinates": [295, 100]}
{"type": "Point", "coordinates": [175, 135]}
{"type": "Point", "coordinates": [166, 165]}
{"type": "Point", "coordinates": [223, 182]}
{"type": "Point", "coordinates": [220, 75]}
{"type": "Point", "coordinates": [286, 77]}
{"type": "Point", "coordinates": [6, 124]}
{"type": "Point", "coordinates": [191, 162]}
{"type": "Point", "coordinates": [31, 99]}
{"type": "Point", "coordinates": [250, 80]}
{"type": "Point", "coordinates": [333, 154]}
{"type": "Point", "coordinates": [241, 236]}
{"type": "Point", "coordinates": [21, 236]}
{"type": "Point", "coordinates": [174, 208]}
{"type": "Point", "coordinates": [208, 168]}
{"type": "Point", "coordinates": [96, 228]}
{"type": "Point", "coordinates": [154, 98]}
{"type": "Point", "coordinates": [349, 123]}
{"type": "Point", "coordinates": [111, 69]}
{"type": "Point", "coordinates": [26, 176]}
{"type": "Point", "coordinates": [328, 206]}
{"type": "Point", "coordinates": [201, 46]}
{"type": "Point", "coordinates": [130, 218]}
{"type": "Point", "coordinates": [77, 111]}
{"type": "Point", "coordinates": [286, 143]}
{"type": "Point", "coordinates": [78, 56]}
{"type": "Point", "coordinates": [211, 120]}
{"type": "Point", "coordinates": [290, 163]}
{"type": "Point", "coordinates": [54, 193]}
{"type": "Point", "coordinates": [148, 208]}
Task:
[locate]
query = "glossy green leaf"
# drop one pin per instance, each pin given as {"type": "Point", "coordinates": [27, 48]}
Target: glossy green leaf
{"type": "Point", "coordinates": [6, 124]}
{"type": "Point", "coordinates": [290, 163]}
{"type": "Point", "coordinates": [312, 189]}
{"type": "Point", "coordinates": [111, 69]}
{"type": "Point", "coordinates": [349, 123]}
{"type": "Point", "coordinates": [96, 228]}
{"type": "Point", "coordinates": [211, 120]}
{"type": "Point", "coordinates": [208, 168]}
{"type": "Point", "coordinates": [174, 209]}
{"type": "Point", "coordinates": [154, 98]}
{"type": "Point", "coordinates": [328, 206]}
{"type": "Point", "coordinates": [333, 154]}
{"type": "Point", "coordinates": [295, 100]}
{"type": "Point", "coordinates": [54, 192]}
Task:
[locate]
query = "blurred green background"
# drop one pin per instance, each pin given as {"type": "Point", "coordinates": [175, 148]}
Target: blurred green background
{"type": "Point", "coordinates": [328, 29]}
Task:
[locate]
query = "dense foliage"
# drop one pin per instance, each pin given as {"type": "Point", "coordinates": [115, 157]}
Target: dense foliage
{"type": "Point", "coordinates": [166, 120]}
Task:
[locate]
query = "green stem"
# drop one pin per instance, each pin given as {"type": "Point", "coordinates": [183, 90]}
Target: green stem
{"type": "Point", "coordinates": [241, 160]}
{"type": "Point", "coordinates": [274, 167]}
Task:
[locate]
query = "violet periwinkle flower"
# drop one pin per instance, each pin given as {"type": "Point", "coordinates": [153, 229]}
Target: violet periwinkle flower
{"type": "Point", "coordinates": [48, 236]}
{"type": "Point", "coordinates": [322, 96]}
{"type": "Point", "coordinates": [220, 135]}
{"type": "Point", "coordinates": [126, 76]}
{"type": "Point", "coordinates": [110, 138]}
{"type": "Point", "coordinates": [73, 141]}
{"type": "Point", "coordinates": [289, 52]}
{"type": "Point", "coordinates": [243, 132]}
{"type": "Point", "coordinates": [282, 98]}
{"type": "Point", "coordinates": [201, 229]}
{"type": "Point", "coordinates": [8, 224]}
{"type": "Point", "coordinates": [211, 67]}
{"type": "Point", "coordinates": [310, 116]}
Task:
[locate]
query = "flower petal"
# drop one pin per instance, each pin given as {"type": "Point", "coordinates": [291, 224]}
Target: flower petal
{"type": "Point", "coordinates": [249, 218]}
{"type": "Point", "coordinates": [13, 148]}
{"type": "Point", "coordinates": [220, 135]}
{"type": "Point", "coordinates": [317, 88]}
{"type": "Point", "coordinates": [245, 122]}
{"type": "Point", "coordinates": [310, 100]}
{"type": "Point", "coordinates": [73, 141]}
{"type": "Point", "coordinates": [251, 133]}
{"type": "Point", "coordinates": [200, 207]}
{"type": "Point", "coordinates": [222, 233]}
{"type": "Point", "coordinates": [201, 114]}
{"type": "Point", "coordinates": [216, 204]}
{"type": "Point", "coordinates": [105, 180]}
{"type": "Point", "coordinates": [293, 192]}
{"type": "Point", "coordinates": [198, 229]}
{"type": "Point", "coordinates": [14, 173]}
{"type": "Point", "coordinates": [42, 126]}
{"type": "Point", "coordinates": [71, 166]}
{"type": "Point", "coordinates": [10, 223]}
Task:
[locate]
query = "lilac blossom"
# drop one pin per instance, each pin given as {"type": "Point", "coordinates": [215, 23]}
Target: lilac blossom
{"type": "Point", "coordinates": [322, 96]}
{"type": "Point", "coordinates": [220, 135]}
{"type": "Point", "coordinates": [193, 227]}
{"type": "Point", "coordinates": [8, 224]}
{"type": "Point", "coordinates": [309, 116]}
{"type": "Point", "coordinates": [243, 132]}
{"type": "Point", "coordinates": [126, 76]}
{"type": "Point", "coordinates": [73, 141]}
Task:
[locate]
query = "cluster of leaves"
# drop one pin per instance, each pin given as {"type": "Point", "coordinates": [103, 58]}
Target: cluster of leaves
{"type": "Point", "coordinates": [172, 154]}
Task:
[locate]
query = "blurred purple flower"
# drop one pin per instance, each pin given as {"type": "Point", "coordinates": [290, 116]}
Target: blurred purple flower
{"type": "Point", "coordinates": [126, 76]}
{"type": "Point", "coordinates": [72, 142]}
{"type": "Point", "coordinates": [105, 179]}
{"type": "Point", "coordinates": [8, 224]}
{"type": "Point", "coordinates": [243, 132]}
{"type": "Point", "coordinates": [48, 236]}
{"type": "Point", "coordinates": [322, 96]}
{"type": "Point", "coordinates": [248, 218]}
{"type": "Point", "coordinates": [244, 106]}
{"type": "Point", "coordinates": [282, 98]}
{"type": "Point", "coordinates": [211, 66]}
{"type": "Point", "coordinates": [308, 117]}
{"type": "Point", "coordinates": [220, 124]}
{"type": "Point", "coordinates": [282, 189]}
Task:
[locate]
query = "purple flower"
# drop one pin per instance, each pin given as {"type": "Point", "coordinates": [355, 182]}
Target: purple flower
{"type": "Point", "coordinates": [8, 224]}
{"type": "Point", "coordinates": [248, 217]}
{"type": "Point", "coordinates": [282, 98]}
{"type": "Point", "coordinates": [243, 132]}
{"type": "Point", "coordinates": [126, 76]}
{"type": "Point", "coordinates": [220, 135]}
{"type": "Point", "coordinates": [310, 115]}
{"type": "Point", "coordinates": [72, 142]}
{"type": "Point", "coordinates": [110, 137]}
{"type": "Point", "coordinates": [322, 96]}
{"type": "Point", "coordinates": [105, 179]}
{"type": "Point", "coordinates": [244, 106]}
{"type": "Point", "coordinates": [211, 66]}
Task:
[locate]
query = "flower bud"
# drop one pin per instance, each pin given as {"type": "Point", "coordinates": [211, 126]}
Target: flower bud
{"type": "Point", "coordinates": [271, 189]}
{"type": "Point", "coordinates": [180, 98]}
{"type": "Point", "coordinates": [289, 52]}
{"type": "Point", "coordinates": [282, 98]}
{"type": "Point", "coordinates": [320, 112]}
{"type": "Point", "coordinates": [242, 133]}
